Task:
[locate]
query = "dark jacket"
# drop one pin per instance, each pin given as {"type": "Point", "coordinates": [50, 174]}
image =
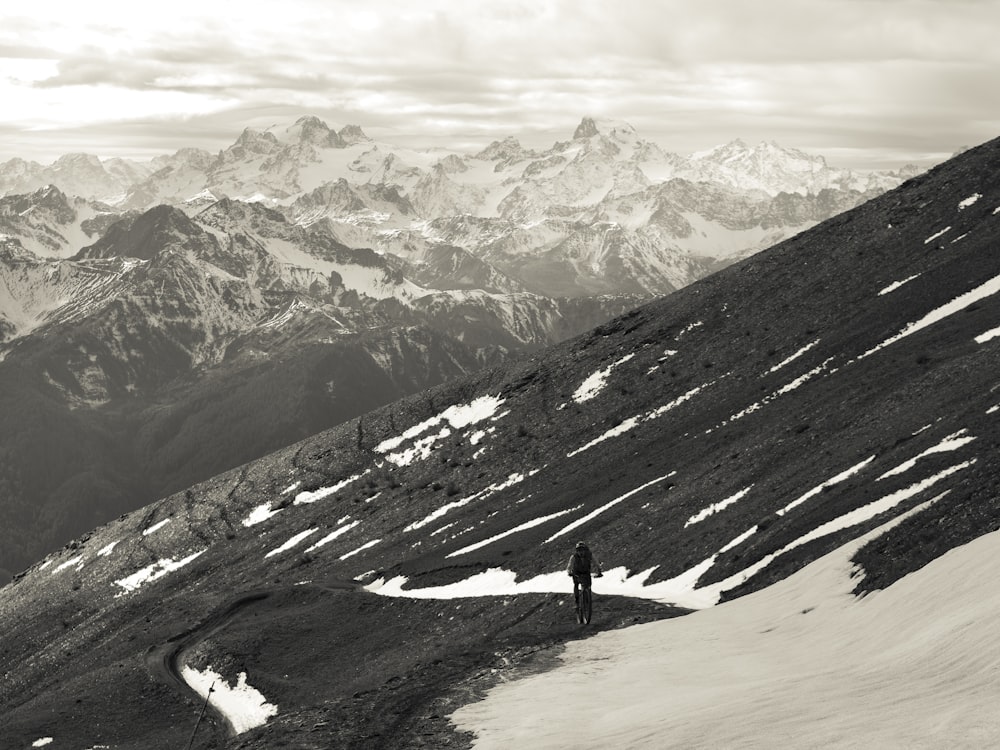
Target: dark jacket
{"type": "Point", "coordinates": [582, 562]}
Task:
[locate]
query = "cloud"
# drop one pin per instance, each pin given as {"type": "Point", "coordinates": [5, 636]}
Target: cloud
{"type": "Point", "coordinates": [848, 74]}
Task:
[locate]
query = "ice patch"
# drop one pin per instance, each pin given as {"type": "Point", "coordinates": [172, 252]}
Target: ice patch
{"type": "Point", "coordinates": [42, 742]}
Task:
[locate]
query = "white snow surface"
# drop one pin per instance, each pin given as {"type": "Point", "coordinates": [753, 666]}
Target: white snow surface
{"type": "Point", "coordinates": [714, 508]}
{"type": "Point", "coordinates": [597, 381]}
{"type": "Point", "coordinates": [896, 285]}
{"type": "Point", "coordinates": [793, 357]}
{"type": "Point", "coordinates": [457, 416]}
{"type": "Point", "coordinates": [936, 235]}
{"type": "Point", "coordinates": [969, 201]}
{"type": "Point", "coordinates": [293, 542]}
{"type": "Point", "coordinates": [152, 572]}
{"type": "Point", "coordinates": [42, 742]}
{"type": "Point", "coordinates": [156, 527]}
{"type": "Point", "coordinates": [244, 706]}
{"type": "Point", "coordinates": [986, 289]}
{"type": "Point", "coordinates": [802, 663]}
{"type": "Point", "coordinates": [987, 335]}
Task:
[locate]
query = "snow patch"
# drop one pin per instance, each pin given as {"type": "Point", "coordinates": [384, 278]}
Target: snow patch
{"type": "Point", "coordinates": [260, 514]}
{"type": "Point", "coordinates": [937, 234]}
{"type": "Point", "coordinates": [153, 572]}
{"type": "Point", "coordinates": [107, 550]}
{"type": "Point", "coordinates": [311, 496]}
{"type": "Point", "coordinates": [295, 540]}
{"type": "Point", "coordinates": [716, 507]}
{"type": "Point", "coordinates": [523, 527]}
{"type": "Point", "coordinates": [362, 548]}
{"type": "Point", "coordinates": [633, 422]}
{"type": "Point", "coordinates": [332, 535]}
{"type": "Point", "coordinates": [244, 706]}
{"type": "Point", "coordinates": [69, 564]}
{"type": "Point", "coordinates": [897, 284]}
{"type": "Point", "coordinates": [156, 527]}
{"type": "Point", "coordinates": [982, 291]}
{"type": "Point", "coordinates": [42, 742]}
{"type": "Point", "coordinates": [457, 417]}
{"type": "Point", "coordinates": [794, 357]}
{"type": "Point", "coordinates": [969, 201]}
{"type": "Point", "coordinates": [607, 506]}
{"type": "Point", "coordinates": [597, 381]}
{"type": "Point", "coordinates": [492, 489]}
{"type": "Point", "coordinates": [847, 474]}
{"type": "Point", "coordinates": [950, 443]}
{"type": "Point", "coordinates": [986, 336]}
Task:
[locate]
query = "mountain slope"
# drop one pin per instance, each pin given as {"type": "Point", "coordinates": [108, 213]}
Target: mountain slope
{"type": "Point", "coordinates": [707, 445]}
{"type": "Point", "coordinates": [151, 344]}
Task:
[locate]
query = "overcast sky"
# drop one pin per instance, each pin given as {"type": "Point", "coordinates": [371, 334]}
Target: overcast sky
{"type": "Point", "coordinates": [866, 83]}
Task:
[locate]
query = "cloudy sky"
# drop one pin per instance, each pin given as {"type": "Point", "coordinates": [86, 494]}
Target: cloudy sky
{"type": "Point", "coordinates": [867, 83]}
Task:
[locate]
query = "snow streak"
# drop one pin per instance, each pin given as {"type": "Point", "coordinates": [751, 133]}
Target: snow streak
{"type": "Point", "coordinates": [985, 289]}
{"type": "Point", "coordinates": [715, 508]}
{"type": "Point", "coordinates": [828, 483]}
{"type": "Point", "coordinates": [633, 422]}
{"type": "Point", "coordinates": [524, 526]}
{"type": "Point", "coordinates": [607, 506]}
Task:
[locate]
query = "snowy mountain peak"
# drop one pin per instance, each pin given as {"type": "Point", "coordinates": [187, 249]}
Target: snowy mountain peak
{"type": "Point", "coordinates": [256, 141]}
{"type": "Point", "coordinates": [310, 129]}
{"type": "Point", "coordinates": [351, 134]}
{"type": "Point", "coordinates": [616, 129]}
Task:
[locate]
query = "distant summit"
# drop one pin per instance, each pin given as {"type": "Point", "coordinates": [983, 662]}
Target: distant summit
{"type": "Point", "coordinates": [589, 127]}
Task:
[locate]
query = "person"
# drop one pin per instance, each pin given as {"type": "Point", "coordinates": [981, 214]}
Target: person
{"type": "Point", "coordinates": [581, 564]}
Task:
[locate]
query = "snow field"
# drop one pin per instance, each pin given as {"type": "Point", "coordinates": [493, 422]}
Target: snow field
{"type": "Point", "coordinates": [802, 663]}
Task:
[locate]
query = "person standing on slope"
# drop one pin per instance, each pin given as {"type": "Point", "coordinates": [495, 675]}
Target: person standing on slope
{"type": "Point", "coordinates": [581, 564]}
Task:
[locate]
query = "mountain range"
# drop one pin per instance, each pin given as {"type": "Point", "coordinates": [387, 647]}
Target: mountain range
{"type": "Point", "coordinates": [304, 276]}
{"type": "Point", "coordinates": [833, 397]}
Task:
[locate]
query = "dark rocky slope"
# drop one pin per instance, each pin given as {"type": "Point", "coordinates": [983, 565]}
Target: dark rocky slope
{"type": "Point", "coordinates": [753, 417]}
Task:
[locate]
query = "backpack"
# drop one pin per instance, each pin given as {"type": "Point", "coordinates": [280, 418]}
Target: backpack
{"type": "Point", "coordinates": [581, 561]}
